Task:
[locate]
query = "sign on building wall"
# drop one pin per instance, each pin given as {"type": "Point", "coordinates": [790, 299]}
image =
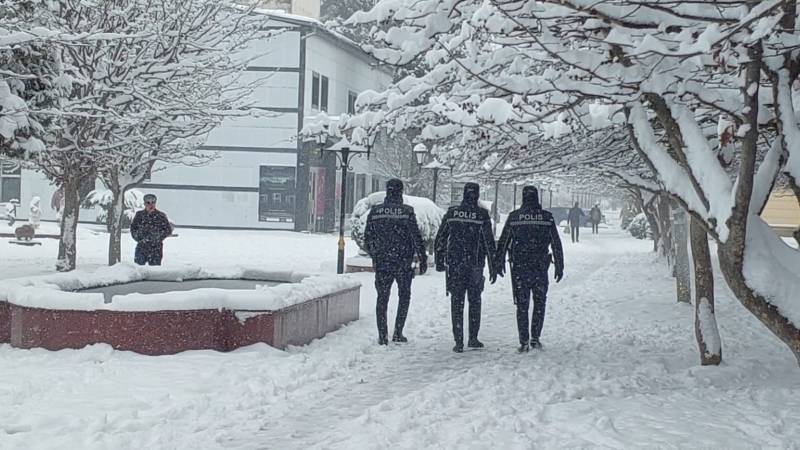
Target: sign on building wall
{"type": "Point", "coordinates": [276, 194]}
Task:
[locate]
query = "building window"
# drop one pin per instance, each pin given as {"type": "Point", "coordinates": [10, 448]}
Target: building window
{"type": "Point", "coordinates": [376, 184]}
{"type": "Point", "coordinates": [319, 92]}
{"type": "Point", "coordinates": [10, 180]}
{"type": "Point", "coordinates": [361, 186]}
{"type": "Point", "coordinates": [323, 101]}
{"type": "Point", "coordinates": [276, 194]}
{"type": "Point", "coordinates": [351, 102]}
{"type": "Point", "coordinates": [314, 90]}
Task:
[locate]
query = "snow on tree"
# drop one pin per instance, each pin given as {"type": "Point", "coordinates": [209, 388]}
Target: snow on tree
{"type": "Point", "coordinates": [685, 80]}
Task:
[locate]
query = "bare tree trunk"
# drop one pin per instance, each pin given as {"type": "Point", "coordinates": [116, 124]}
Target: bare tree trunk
{"type": "Point", "coordinates": [683, 282]}
{"type": "Point", "coordinates": [705, 322]}
{"type": "Point", "coordinates": [665, 228]}
{"type": "Point", "coordinates": [67, 248]}
{"type": "Point", "coordinates": [114, 221]}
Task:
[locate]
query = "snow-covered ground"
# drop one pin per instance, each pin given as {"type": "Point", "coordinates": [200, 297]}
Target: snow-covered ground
{"type": "Point", "coordinates": [620, 369]}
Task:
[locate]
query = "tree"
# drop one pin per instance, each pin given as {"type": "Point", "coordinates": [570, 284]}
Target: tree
{"type": "Point", "coordinates": [144, 84]}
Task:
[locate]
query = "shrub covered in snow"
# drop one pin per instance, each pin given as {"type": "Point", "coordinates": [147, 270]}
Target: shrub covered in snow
{"type": "Point", "coordinates": [429, 217]}
{"type": "Point", "coordinates": [134, 201]}
{"type": "Point", "coordinates": [640, 227]}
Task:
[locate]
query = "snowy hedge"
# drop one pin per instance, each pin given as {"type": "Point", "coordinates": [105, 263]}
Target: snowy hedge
{"type": "Point", "coordinates": [640, 227]}
{"type": "Point", "coordinates": [429, 216]}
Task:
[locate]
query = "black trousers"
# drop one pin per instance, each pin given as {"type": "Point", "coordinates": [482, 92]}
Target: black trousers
{"type": "Point", "coordinates": [575, 233]}
{"type": "Point", "coordinates": [595, 227]}
{"type": "Point", "coordinates": [527, 283]}
{"type": "Point", "coordinates": [383, 285]}
{"type": "Point", "coordinates": [148, 254]}
{"type": "Point", "coordinates": [465, 282]}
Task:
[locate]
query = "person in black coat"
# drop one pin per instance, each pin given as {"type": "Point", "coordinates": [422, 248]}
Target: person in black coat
{"type": "Point", "coordinates": [149, 229]}
{"type": "Point", "coordinates": [463, 245]}
{"type": "Point", "coordinates": [574, 218]}
{"type": "Point", "coordinates": [392, 238]}
{"type": "Point", "coordinates": [528, 235]}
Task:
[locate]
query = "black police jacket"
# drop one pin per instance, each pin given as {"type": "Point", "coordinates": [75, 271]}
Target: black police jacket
{"type": "Point", "coordinates": [392, 236]}
{"type": "Point", "coordinates": [465, 240]}
{"type": "Point", "coordinates": [528, 236]}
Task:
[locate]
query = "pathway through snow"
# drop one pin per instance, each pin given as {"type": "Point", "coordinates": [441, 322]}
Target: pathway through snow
{"type": "Point", "coordinates": [619, 369]}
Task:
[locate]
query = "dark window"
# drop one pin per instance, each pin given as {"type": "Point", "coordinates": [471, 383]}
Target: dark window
{"type": "Point", "coordinates": [86, 187]}
{"type": "Point", "coordinates": [324, 96]}
{"type": "Point", "coordinates": [276, 194]}
{"type": "Point", "coordinates": [351, 102]}
{"type": "Point", "coordinates": [10, 181]}
{"type": "Point", "coordinates": [315, 90]}
{"type": "Point", "coordinates": [376, 184]}
{"type": "Point", "coordinates": [361, 186]}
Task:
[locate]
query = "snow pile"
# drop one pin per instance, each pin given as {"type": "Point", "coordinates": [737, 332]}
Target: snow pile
{"type": "Point", "coordinates": [58, 291]}
{"type": "Point", "coordinates": [771, 268]}
{"type": "Point", "coordinates": [14, 114]}
{"type": "Point", "coordinates": [429, 216]}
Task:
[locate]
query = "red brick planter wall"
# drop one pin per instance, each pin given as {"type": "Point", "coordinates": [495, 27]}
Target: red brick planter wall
{"type": "Point", "coordinates": [167, 332]}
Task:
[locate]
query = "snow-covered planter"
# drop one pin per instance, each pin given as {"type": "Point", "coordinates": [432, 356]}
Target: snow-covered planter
{"type": "Point", "coordinates": [429, 217]}
{"type": "Point", "coordinates": [56, 311]}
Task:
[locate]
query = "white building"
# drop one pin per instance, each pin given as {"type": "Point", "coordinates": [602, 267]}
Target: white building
{"type": "Point", "coordinates": [263, 177]}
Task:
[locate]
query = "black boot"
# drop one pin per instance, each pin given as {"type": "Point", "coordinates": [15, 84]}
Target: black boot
{"type": "Point", "coordinates": [474, 343]}
{"type": "Point", "coordinates": [398, 337]}
{"type": "Point", "coordinates": [458, 348]}
{"type": "Point", "coordinates": [523, 348]}
{"type": "Point", "coordinates": [535, 344]}
{"type": "Point", "coordinates": [383, 341]}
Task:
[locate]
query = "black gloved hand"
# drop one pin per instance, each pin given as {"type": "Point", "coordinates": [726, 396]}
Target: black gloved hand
{"type": "Point", "coordinates": [423, 266]}
{"type": "Point", "coordinates": [559, 275]}
{"type": "Point", "coordinates": [500, 269]}
{"type": "Point", "coordinates": [440, 267]}
{"type": "Point", "coordinates": [493, 278]}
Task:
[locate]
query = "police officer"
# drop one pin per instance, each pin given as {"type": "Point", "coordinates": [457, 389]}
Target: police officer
{"type": "Point", "coordinates": [392, 238]}
{"type": "Point", "coordinates": [528, 235]}
{"type": "Point", "coordinates": [463, 245]}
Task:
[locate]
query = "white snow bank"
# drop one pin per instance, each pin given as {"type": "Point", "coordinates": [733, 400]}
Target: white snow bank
{"type": "Point", "coordinates": [772, 268]}
{"type": "Point", "coordinates": [58, 291]}
{"type": "Point", "coordinates": [429, 215]}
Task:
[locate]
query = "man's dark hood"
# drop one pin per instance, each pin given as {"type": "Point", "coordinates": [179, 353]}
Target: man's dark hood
{"type": "Point", "coordinates": [530, 198]}
{"type": "Point", "coordinates": [472, 192]}
{"type": "Point", "coordinates": [394, 192]}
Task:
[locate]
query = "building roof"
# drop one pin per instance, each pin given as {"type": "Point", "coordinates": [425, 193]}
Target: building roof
{"type": "Point", "coordinates": [332, 35]}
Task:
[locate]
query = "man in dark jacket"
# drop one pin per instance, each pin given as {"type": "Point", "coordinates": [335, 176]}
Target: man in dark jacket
{"type": "Point", "coordinates": [596, 216]}
{"type": "Point", "coordinates": [463, 245]}
{"type": "Point", "coordinates": [149, 229]}
{"type": "Point", "coordinates": [528, 235]}
{"type": "Point", "coordinates": [392, 238]}
{"type": "Point", "coordinates": [574, 219]}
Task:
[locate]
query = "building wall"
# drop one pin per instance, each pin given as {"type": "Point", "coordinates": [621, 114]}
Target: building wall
{"type": "Point", "coordinates": [782, 210]}
{"type": "Point", "coordinates": [225, 192]}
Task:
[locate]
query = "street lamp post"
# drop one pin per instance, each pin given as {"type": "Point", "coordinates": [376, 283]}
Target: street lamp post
{"type": "Point", "coordinates": [421, 154]}
{"type": "Point", "coordinates": [344, 151]}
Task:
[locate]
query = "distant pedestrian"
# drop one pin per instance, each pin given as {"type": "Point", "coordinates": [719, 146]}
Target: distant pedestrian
{"type": "Point", "coordinates": [596, 217]}
{"type": "Point", "coordinates": [575, 216]}
{"type": "Point", "coordinates": [528, 235]}
{"type": "Point", "coordinates": [149, 228]}
{"type": "Point", "coordinates": [464, 244]}
{"type": "Point", "coordinates": [392, 238]}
